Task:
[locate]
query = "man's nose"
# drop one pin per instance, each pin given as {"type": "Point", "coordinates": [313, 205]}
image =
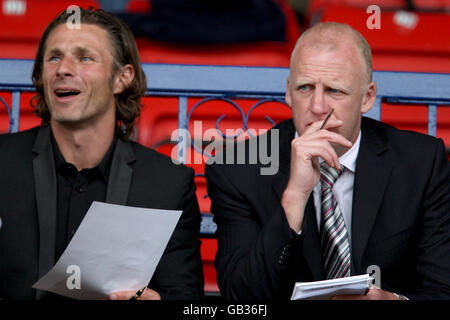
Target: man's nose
{"type": "Point", "coordinates": [65, 68]}
{"type": "Point", "coordinates": [319, 104]}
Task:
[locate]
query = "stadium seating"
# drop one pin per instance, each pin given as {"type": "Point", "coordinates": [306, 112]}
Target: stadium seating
{"type": "Point", "coordinates": [22, 23]}
{"type": "Point", "coordinates": [258, 53]}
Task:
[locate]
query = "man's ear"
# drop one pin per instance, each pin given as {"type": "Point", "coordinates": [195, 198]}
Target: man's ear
{"type": "Point", "coordinates": [288, 96]}
{"type": "Point", "coordinates": [123, 78]}
{"type": "Point", "coordinates": [369, 97]}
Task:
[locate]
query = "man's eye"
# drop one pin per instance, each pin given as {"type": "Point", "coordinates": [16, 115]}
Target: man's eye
{"type": "Point", "coordinates": [333, 90]}
{"type": "Point", "coordinates": [304, 87]}
{"type": "Point", "coordinates": [54, 58]}
{"type": "Point", "coordinates": [85, 58]}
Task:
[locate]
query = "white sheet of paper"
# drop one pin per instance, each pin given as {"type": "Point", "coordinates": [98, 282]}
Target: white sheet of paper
{"type": "Point", "coordinates": [324, 290]}
{"type": "Point", "coordinates": [116, 248]}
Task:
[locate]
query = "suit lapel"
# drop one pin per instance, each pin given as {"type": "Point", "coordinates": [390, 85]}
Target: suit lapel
{"type": "Point", "coordinates": [45, 192]}
{"type": "Point", "coordinates": [373, 168]}
{"type": "Point", "coordinates": [120, 174]}
{"type": "Point", "coordinates": [311, 242]}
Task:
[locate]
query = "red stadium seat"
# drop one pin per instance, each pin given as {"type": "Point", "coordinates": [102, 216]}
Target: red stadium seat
{"type": "Point", "coordinates": [160, 116]}
{"type": "Point", "coordinates": [315, 6]}
{"type": "Point", "coordinates": [262, 53]}
{"type": "Point", "coordinates": [28, 119]}
{"type": "Point", "coordinates": [22, 23]}
{"type": "Point", "coordinates": [208, 252]}
{"type": "Point", "coordinates": [141, 6]}
{"type": "Point", "coordinates": [406, 41]}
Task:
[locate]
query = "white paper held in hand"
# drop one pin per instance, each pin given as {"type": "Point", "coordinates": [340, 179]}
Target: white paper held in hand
{"type": "Point", "coordinates": [324, 290]}
{"type": "Point", "coordinates": [115, 248]}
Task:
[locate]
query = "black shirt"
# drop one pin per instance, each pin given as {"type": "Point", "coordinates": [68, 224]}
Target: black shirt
{"type": "Point", "coordinates": [76, 190]}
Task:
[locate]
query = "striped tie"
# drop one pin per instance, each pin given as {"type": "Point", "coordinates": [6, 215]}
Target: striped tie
{"type": "Point", "coordinates": [334, 237]}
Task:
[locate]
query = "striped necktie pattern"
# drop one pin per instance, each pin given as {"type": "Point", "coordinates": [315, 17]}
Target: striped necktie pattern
{"type": "Point", "coordinates": [334, 236]}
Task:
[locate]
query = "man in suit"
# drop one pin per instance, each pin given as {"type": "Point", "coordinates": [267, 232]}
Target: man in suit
{"type": "Point", "coordinates": [89, 82]}
{"type": "Point", "coordinates": [353, 194]}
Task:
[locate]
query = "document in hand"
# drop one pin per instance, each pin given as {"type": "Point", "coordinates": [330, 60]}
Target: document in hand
{"type": "Point", "coordinates": [324, 290]}
{"type": "Point", "coordinates": [115, 248]}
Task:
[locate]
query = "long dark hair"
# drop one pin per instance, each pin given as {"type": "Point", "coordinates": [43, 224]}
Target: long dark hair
{"type": "Point", "coordinates": [128, 106]}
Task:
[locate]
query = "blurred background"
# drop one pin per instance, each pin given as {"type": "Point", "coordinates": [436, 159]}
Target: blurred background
{"type": "Point", "coordinates": [412, 36]}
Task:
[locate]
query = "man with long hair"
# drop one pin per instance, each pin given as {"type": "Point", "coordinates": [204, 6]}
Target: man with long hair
{"type": "Point", "coordinates": [89, 83]}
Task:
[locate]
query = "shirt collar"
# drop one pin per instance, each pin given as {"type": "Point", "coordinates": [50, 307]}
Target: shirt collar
{"type": "Point", "coordinates": [103, 166]}
{"type": "Point", "coordinates": [348, 159]}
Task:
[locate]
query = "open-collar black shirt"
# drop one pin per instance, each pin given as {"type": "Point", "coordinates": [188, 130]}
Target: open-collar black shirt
{"type": "Point", "coordinates": [76, 190]}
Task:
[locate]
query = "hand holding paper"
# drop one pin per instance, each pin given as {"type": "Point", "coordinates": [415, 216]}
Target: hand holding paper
{"type": "Point", "coordinates": [116, 248]}
{"type": "Point", "coordinates": [324, 290]}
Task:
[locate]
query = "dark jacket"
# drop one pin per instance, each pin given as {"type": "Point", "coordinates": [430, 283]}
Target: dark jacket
{"type": "Point", "coordinates": [138, 177]}
{"type": "Point", "coordinates": [400, 219]}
